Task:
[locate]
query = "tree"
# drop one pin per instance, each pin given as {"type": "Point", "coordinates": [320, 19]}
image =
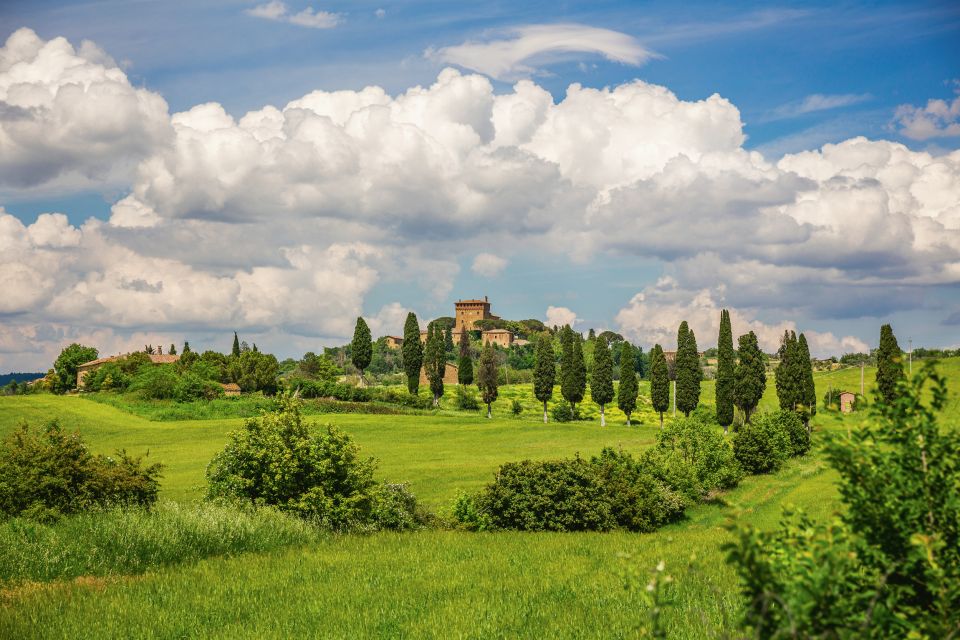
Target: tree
{"type": "Point", "coordinates": [578, 385]}
{"type": "Point", "coordinates": [750, 376]}
{"type": "Point", "coordinates": [448, 340]}
{"type": "Point", "coordinates": [566, 364]}
{"type": "Point", "coordinates": [789, 375]}
{"type": "Point", "coordinates": [659, 381]}
{"type": "Point", "coordinates": [412, 352]}
{"type": "Point", "coordinates": [235, 352]}
{"type": "Point", "coordinates": [889, 365]}
{"type": "Point", "coordinates": [361, 349]}
{"type": "Point", "coordinates": [544, 372]}
{"type": "Point", "coordinates": [726, 363]}
{"type": "Point", "coordinates": [186, 348]}
{"type": "Point", "coordinates": [689, 374]}
{"type": "Point", "coordinates": [809, 394]}
{"type": "Point", "coordinates": [601, 382]}
{"type": "Point", "coordinates": [173, 349]}
{"type": "Point", "coordinates": [487, 376]}
{"type": "Point", "coordinates": [627, 393]}
{"type": "Point", "coordinates": [66, 366]}
{"type": "Point", "coordinates": [465, 363]}
{"type": "Point", "coordinates": [435, 361]}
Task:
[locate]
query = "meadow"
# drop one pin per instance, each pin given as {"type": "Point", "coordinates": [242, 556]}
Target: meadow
{"type": "Point", "coordinates": [433, 583]}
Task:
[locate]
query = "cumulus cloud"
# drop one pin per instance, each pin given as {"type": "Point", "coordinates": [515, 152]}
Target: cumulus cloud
{"type": "Point", "coordinates": [560, 316]}
{"type": "Point", "coordinates": [489, 265]}
{"type": "Point", "coordinates": [653, 316]}
{"type": "Point", "coordinates": [71, 114]}
{"type": "Point", "coordinates": [308, 17]}
{"type": "Point", "coordinates": [938, 119]}
{"type": "Point", "coordinates": [514, 52]}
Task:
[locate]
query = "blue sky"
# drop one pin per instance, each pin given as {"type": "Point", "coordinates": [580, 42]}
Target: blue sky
{"type": "Point", "coordinates": [801, 75]}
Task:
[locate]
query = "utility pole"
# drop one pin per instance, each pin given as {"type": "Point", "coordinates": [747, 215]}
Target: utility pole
{"type": "Point", "coordinates": [910, 356]}
{"type": "Point", "coordinates": [861, 379]}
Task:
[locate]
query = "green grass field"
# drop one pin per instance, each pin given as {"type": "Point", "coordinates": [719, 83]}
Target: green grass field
{"type": "Point", "coordinates": [430, 583]}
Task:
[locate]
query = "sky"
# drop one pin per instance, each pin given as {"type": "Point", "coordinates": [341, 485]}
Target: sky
{"type": "Point", "coordinates": [176, 171]}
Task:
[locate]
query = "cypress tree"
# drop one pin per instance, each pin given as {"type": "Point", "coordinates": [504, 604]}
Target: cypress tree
{"type": "Point", "coordinates": [361, 349]}
{"type": "Point", "coordinates": [788, 374]}
{"type": "Point", "coordinates": [412, 352]}
{"type": "Point", "coordinates": [465, 362]}
{"type": "Point", "coordinates": [627, 393]}
{"type": "Point", "coordinates": [186, 347]}
{"type": "Point", "coordinates": [750, 376]}
{"type": "Point", "coordinates": [659, 381]}
{"type": "Point", "coordinates": [435, 361]}
{"type": "Point", "coordinates": [172, 350]}
{"type": "Point", "coordinates": [487, 376]}
{"type": "Point", "coordinates": [448, 340]}
{"type": "Point", "coordinates": [544, 371]}
{"type": "Point", "coordinates": [688, 370]}
{"type": "Point", "coordinates": [889, 365]}
{"type": "Point", "coordinates": [601, 382]}
{"type": "Point", "coordinates": [235, 352]}
{"type": "Point", "coordinates": [726, 362]}
{"type": "Point", "coordinates": [578, 373]}
{"type": "Point", "coordinates": [567, 377]}
{"type": "Point", "coordinates": [809, 395]}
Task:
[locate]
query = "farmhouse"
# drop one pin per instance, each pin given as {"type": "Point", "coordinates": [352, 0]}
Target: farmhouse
{"type": "Point", "coordinates": [93, 365]}
{"type": "Point", "coordinates": [394, 342]}
{"type": "Point", "coordinates": [501, 337]}
{"type": "Point", "coordinates": [449, 375]}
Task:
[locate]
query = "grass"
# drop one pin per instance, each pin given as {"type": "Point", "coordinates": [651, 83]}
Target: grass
{"type": "Point", "coordinates": [424, 584]}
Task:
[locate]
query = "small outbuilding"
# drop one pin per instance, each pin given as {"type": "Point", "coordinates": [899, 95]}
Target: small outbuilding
{"type": "Point", "coordinates": [847, 401]}
{"type": "Point", "coordinates": [231, 389]}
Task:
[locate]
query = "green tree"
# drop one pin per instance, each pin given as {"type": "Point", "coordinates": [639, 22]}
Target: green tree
{"type": "Point", "coordinates": [435, 361]}
{"type": "Point", "coordinates": [448, 340]}
{"type": "Point", "coordinates": [487, 376]}
{"type": "Point", "coordinates": [186, 347]}
{"type": "Point", "coordinates": [412, 352]}
{"type": "Point", "coordinates": [579, 372]}
{"type": "Point", "coordinates": [889, 365]}
{"type": "Point", "coordinates": [789, 374]}
{"type": "Point", "coordinates": [688, 371]}
{"type": "Point", "coordinates": [659, 381]}
{"type": "Point", "coordinates": [601, 381]}
{"type": "Point", "coordinates": [750, 377]}
{"type": "Point", "coordinates": [627, 393]}
{"type": "Point", "coordinates": [567, 377]}
{"type": "Point", "coordinates": [544, 372]}
{"type": "Point", "coordinates": [173, 349]}
{"type": "Point", "coordinates": [235, 351]}
{"type": "Point", "coordinates": [726, 363]}
{"type": "Point", "coordinates": [809, 394]}
{"type": "Point", "coordinates": [361, 349]}
{"type": "Point", "coordinates": [465, 362]}
{"type": "Point", "coordinates": [66, 365]}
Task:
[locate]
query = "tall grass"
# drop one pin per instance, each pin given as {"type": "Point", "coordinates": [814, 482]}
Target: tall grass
{"type": "Point", "coordinates": [131, 541]}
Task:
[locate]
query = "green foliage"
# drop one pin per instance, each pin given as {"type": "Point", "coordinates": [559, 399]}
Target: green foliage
{"type": "Point", "coordinates": [235, 350]}
{"type": "Point", "coordinates": [467, 514]}
{"type": "Point", "coordinates": [516, 408]}
{"type": "Point", "coordinates": [395, 508]}
{"type": "Point", "coordinates": [750, 377]}
{"type": "Point", "coordinates": [659, 382]}
{"type": "Point", "coordinates": [254, 371]}
{"type": "Point", "coordinates": [155, 382]}
{"type": "Point", "coordinates": [799, 435]}
{"type": "Point", "coordinates": [890, 565]}
{"type": "Point", "coordinates": [276, 460]}
{"type": "Point", "coordinates": [790, 374]}
{"type": "Point", "coordinates": [809, 393]}
{"type": "Point", "coordinates": [544, 372]}
{"type": "Point", "coordinates": [562, 412]}
{"type": "Point", "coordinates": [629, 388]}
{"type": "Point", "coordinates": [435, 361]}
{"type": "Point", "coordinates": [688, 371]}
{"type": "Point", "coordinates": [412, 351]}
{"type": "Point", "coordinates": [693, 457]}
{"type": "Point", "coordinates": [601, 382]}
{"type": "Point", "coordinates": [44, 475]}
{"type": "Point", "coordinates": [487, 376]}
{"type": "Point", "coordinates": [361, 349]}
{"type": "Point", "coordinates": [66, 365]}
{"type": "Point", "coordinates": [573, 370]}
{"type": "Point", "coordinates": [466, 399]}
{"type": "Point", "coordinates": [726, 365]}
{"type": "Point", "coordinates": [190, 387]}
{"type": "Point", "coordinates": [889, 365]}
{"type": "Point", "coordinates": [318, 367]}
{"type": "Point", "coordinates": [763, 445]}
{"type": "Point", "coordinates": [464, 362]}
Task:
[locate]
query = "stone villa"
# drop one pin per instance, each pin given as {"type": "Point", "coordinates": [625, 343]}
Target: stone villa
{"type": "Point", "coordinates": [93, 365]}
{"type": "Point", "coordinates": [466, 314]}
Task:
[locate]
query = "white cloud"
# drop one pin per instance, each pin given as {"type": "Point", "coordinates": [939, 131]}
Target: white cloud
{"type": "Point", "coordinates": [489, 265]}
{"type": "Point", "coordinates": [71, 114]}
{"type": "Point", "coordinates": [308, 17]}
{"type": "Point", "coordinates": [817, 102]}
{"type": "Point", "coordinates": [939, 119]}
{"type": "Point", "coordinates": [514, 51]}
{"type": "Point", "coordinates": [560, 316]}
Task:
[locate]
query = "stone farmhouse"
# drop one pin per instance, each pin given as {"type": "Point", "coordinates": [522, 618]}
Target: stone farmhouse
{"type": "Point", "coordinates": [449, 375]}
{"type": "Point", "coordinates": [466, 314]}
{"type": "Point", "coordinates": [84, 369]}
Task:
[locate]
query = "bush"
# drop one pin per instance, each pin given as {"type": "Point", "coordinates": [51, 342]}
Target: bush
{"type": "Point", "coordinates": [276, 460]}
{"type": "Point", "coordinates": [191, 387]}
{"type": "Point", "coordinates": [761, 446]}
{"type": "Point", "coordinates": [155, 382]}
{"type": "Point", "coordinates": [49, 474]}
{"type": "Point", "coordinates": [468, 514]}
{"type": "Point", "coordinates": [466, 399]}
{"type": "Point", "coordinates": [396, 508]}
{"type": "Point", "coordinates": [790, 422]}
{"type": "Point", "coordinates": [515, 407]}
{"type": "Point", "coordinates": [562, 412]}
{"type": "Point", "coordinates": [692, 456]}
{"type": "Point", "coordinates": [639, 500]}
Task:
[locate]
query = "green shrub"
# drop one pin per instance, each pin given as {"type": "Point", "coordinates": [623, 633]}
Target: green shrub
{"type": "Point", "coordinates": [762, 445]}
{"type": "Point", "coordinates": [468, 514]}
{"type": "Point", "coordinates": [515, 407]}
{"type": "Point", "coordinates": [276, 460]}
{"type": "Point", "coordinates": [155, 382]}
{"type": "Point", "coordinates": [49, 474]}
{"type": "Point", "coordinates": [692, 456]}
{"type": "Point", "coordinates": [192, 387]}
{"type": "Point", "coordinates": [790, 422]}
{"type": "Point", "coordinates": [466, 399]}
{"type": "Point", "coordinates": [396, 508]}
{"type": "Point", "coordinates": [639, 500]}
{"type": "Point", "coordinates": [562, 412]}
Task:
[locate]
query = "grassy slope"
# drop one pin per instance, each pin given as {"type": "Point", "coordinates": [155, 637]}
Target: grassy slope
{"type": "Point", "coordinates": [428, 584]}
